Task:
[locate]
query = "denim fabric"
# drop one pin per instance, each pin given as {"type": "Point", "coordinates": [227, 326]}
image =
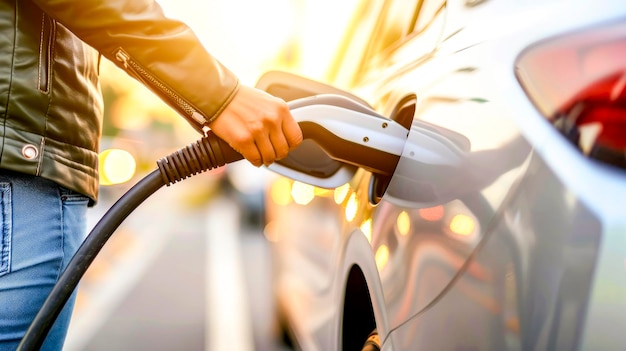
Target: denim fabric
{"type": "Point", "coordinates": [42, 225]}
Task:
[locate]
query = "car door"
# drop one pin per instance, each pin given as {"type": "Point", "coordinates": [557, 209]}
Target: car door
{"type": "Point", "coordinates": [463, 161]}
{"type": "Point", "coordinates": [424, 222]}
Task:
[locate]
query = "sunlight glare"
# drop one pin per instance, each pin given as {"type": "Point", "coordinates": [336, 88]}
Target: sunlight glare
{"type": "Point", "coordinates": [251, 37]}
{"type": "Point", "coordinates": [352, 208]}
{"type": "Point", "coordinates": [366, 228]}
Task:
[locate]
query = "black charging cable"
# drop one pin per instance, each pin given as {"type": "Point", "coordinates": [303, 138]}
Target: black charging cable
{"type": "Point", "coordinates": [205, 154]}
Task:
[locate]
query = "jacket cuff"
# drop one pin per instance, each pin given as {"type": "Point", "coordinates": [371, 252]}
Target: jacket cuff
{"type": "Point", "coordinates": [228, 100]}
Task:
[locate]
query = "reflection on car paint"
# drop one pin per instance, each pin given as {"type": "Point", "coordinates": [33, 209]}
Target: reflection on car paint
{"type": "Point", "coordinates": [494, 233]}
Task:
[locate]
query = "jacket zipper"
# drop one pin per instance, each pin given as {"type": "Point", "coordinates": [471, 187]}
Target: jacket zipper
{"type": "Point", "coordinates": [153, 82]}
{"type": "Point", "coordinates": [45, 52]}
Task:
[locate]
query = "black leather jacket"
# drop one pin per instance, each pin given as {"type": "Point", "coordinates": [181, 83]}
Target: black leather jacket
{"type": "Point", "coordinates": [50, 99]}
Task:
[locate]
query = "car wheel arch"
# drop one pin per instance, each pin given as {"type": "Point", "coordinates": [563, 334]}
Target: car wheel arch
{"type": "Point", "coordinates": [360, 288]}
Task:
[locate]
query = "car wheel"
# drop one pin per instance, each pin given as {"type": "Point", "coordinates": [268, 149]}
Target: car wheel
{"type": "Point", "coordinates": [372, 343]}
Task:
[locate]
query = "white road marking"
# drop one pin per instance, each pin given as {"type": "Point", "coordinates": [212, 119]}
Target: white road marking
{"type": "Point", "coordinates": [227, 309]}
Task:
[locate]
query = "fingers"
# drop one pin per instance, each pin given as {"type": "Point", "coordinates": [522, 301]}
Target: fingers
{"type": "Point", "coordinates": [266, 150]}
{"type": "Point", "coordinates": [280, 146]}
{"type": "Point", "coordinates": [256, 147]}
{"type": "Point", "coordinates": [275, 145]}
{"type": "Point", "coordinates": [292, 133]}
{"type": "Point", "coordinates": [285, 137]}
{"type": "Point", "coordinates": [251, 153]}
{"type": "Point", "coordinates": [259, 126]}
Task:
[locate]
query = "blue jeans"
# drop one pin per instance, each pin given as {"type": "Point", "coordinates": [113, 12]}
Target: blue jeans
{"type": "Point", "coordinates": [41, 227]}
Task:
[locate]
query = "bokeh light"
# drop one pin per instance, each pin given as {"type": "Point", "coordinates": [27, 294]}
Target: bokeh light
{"type": "Point", "coordinates": [403, 223]}
{"type": "Point", "coordinates": [302, 193]}
{"type": "Point", "coordinates": [381, 257]}
{"type": "Point", "coordinates": [115, 166]}
{"type": "Point", "coordinates": [462, 225]}
{"type": "Point", "coordinates": [341, 193]}
{"type": "Point", "coordinates": [432, 213]}
{"type": "Point", "coordinates": [280, 191]}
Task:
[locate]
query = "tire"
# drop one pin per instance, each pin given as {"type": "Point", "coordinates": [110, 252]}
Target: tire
{"type": "Point", "coordinates": [372, 343]}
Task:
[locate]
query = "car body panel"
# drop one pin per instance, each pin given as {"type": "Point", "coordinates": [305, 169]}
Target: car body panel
{"type": "Point", "coordinates": [494, 233]}
{"type": "Point", "coordinates": [534, 281]}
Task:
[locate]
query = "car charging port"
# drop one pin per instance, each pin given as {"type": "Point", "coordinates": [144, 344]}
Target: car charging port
{"type": "Point", "coordinates": [403, 115]}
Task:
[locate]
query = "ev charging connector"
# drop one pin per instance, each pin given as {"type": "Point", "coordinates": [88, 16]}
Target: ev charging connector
{"type": "Point", "coordinates": [348, 132]}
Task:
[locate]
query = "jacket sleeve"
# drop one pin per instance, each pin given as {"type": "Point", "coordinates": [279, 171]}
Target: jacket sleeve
{"type": "Point", "coordinates": [162, 53]}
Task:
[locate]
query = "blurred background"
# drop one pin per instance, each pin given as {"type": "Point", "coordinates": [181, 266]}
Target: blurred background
{"type": "Point", "coordinates": [190, 268]}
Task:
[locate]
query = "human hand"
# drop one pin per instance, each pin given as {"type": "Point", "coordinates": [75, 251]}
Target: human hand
{"type": "Point", "coordinates": [259, 126]}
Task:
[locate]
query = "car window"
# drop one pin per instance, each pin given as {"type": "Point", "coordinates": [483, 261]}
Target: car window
{"type": "Point", "coordinates": [396, 21]}
{"type": "Point", "coordinates": [399, 21]}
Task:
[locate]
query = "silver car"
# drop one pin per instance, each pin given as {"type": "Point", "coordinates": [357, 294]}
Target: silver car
{"type": "Point", "coordinates": [503, 226]}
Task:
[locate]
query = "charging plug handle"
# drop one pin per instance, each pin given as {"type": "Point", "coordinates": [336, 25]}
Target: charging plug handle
{"type": "Point", "coordinates": [350, 132]}
{"type": "Point", "coordinates": [346, 130]}
{"type": "Point", "coordinates": [374, 160]}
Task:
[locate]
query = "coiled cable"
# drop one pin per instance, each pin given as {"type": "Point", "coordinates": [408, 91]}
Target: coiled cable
{"type": "Point", "coordinates": [205, 154]}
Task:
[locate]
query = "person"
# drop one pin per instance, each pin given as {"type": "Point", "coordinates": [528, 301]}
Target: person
{"type": "Point", "coordinates": [50, 127]}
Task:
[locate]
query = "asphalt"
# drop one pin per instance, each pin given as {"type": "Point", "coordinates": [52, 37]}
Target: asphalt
{"type": "Point", "coordinates": [178, 277]}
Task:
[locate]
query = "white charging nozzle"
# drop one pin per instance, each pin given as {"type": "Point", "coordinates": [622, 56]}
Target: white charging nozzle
{"type": "Point", "coordinates": [346, 131]}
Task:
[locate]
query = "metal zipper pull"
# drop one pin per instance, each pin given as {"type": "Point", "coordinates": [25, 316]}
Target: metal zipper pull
{"type": "Point", "coordinates": [122, 57]}
{"type": "Point", "coordinates": [172, 97]}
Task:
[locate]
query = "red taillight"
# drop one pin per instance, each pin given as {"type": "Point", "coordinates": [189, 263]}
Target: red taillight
{"type": "Point", "coordinates": [578, 82]}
